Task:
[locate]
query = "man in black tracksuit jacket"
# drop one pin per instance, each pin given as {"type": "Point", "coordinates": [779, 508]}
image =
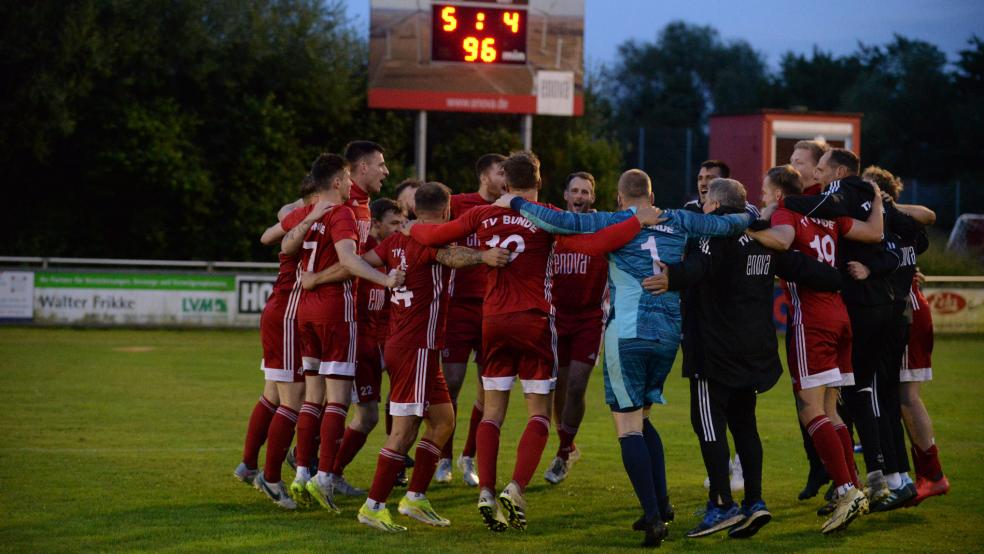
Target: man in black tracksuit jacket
{"type": "Point", "coordinates": [869, 302]}
{"type": "Point", "coordinates": [907, 237]}
{"type": "Point", "coordinates": [730, 353]}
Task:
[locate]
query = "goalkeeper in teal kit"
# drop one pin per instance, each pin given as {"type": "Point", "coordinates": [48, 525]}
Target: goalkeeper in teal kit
{"type": "Point", "coordinates": [642, 333]}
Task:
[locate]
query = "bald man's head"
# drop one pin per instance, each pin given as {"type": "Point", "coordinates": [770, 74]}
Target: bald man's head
{"type": "Point", "coordinates": [635, 184]}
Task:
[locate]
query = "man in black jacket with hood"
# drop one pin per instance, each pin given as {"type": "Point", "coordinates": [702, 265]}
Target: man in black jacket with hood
{"type": "Point", "coordinates": [730, 351]}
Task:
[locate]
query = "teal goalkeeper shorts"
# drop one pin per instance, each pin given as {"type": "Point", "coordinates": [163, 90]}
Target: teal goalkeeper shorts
{"type": "Point", "coordinates": [635, 370]}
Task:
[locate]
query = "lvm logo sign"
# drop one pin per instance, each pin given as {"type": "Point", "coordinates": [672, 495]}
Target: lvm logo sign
{"type": "Point", "coordinates": [204, 305]}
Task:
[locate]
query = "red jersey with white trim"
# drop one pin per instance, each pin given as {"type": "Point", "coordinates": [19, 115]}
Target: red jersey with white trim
{"type": "Point", "coordinates": [525, 283]}
{"type": "Point", "coordinates": [287, 275]}
{"type": "Point", "coordinates": [372, 301]}
{"type": "Point", "coordinates": [329, 301]}
{"type": "Point", "coordinates": [359, 202]}
{"type": "Point", "coordinates": [814, 237]}
{"type": "Point", "coordinates": [468, 282]}
{"type": "Point", "coordinates": [579, 282]}
{"type": "Point", "coordinates": [419, 308]}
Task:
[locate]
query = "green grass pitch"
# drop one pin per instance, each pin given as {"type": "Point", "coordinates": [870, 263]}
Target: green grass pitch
{"type": "Point", "coordinates": [110, 447]}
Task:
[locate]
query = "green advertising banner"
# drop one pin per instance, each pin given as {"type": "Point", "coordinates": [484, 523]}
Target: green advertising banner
{"type": "Point", "coordinates": [139, 281]}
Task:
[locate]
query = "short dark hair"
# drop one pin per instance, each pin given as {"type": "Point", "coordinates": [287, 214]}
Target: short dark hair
{"type": "Point", "coordinates": [786, 178]}
{"type": "Point", "coordinates": [721, 166]}
{"type": "Point", "coordinates": [382, 206]}
{"type": "Point", "coordinates": [727, 192]}
{"type": "Point", "coordinates": [817, 149]}
{"type": "Point", "coordinates": [847, 159]}
{"type": "Point", "coordinates": [485, 162]}
{"type": "Point", "coordinates": [432, 197]}
{"type": "Point", "coordinates": [325, 169]}
{"type": "Point", "coordinates": [635, 183]}
{"type": "Point", "coordinates": [358, 149]}
{"type": "Point", "coordinates": [522, 171]}
{"type": "Point", "coordinates": [405, 184]}
{"type": "Point", "coordinates": [579, 175]}
{"type": "Point", "coordinates": [307, 186]}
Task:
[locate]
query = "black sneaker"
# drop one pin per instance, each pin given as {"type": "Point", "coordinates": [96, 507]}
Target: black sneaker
{"type": "Point", "coordinates": [895, 499]}
{"type": "Point", "coordinates": [656, 531]}
{"type": "Point", "coordinates": [827, 508]}
{"type": "Point", "coordinates": [813, 483]}
{"type": "Point", "coordinates": [401, 479]}
{"type": "Point", "coordinates": [666, 513]}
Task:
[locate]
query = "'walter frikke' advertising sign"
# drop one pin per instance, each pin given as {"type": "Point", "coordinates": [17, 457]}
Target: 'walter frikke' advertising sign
{"type": "Point", "coordinates": [138, 299]}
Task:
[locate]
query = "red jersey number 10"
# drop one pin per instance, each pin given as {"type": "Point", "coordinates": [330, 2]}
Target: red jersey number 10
{"type": "Point", "coordinates": [494, 242]}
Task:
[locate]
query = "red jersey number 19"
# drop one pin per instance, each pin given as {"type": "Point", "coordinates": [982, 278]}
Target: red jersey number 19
{"type": "Point", "coordinates": [824, 248]}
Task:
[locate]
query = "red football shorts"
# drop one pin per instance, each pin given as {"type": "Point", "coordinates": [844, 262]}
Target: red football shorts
{"type": "Point", "coordinates": [416, 380]}
{"type": "Point", "coordinates": [819, 354]}
{"type": "Point", "coordinates": [369, 369]}
{"type": "Point", "coordinates": [578, 338]}
{"type": "Point", "coordinates": [917, 365]}
{"type": "Point", "coordinates": [281, 344]}
{"type": "Point", "coordinates": [463, 333]}
{"type": "Point", "coordinates": [329, 348]}
{"type": "Point", "coordinates": [521, 344]}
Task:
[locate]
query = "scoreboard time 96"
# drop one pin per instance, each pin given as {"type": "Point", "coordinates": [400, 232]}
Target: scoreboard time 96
{"type": "Point", "coordinates": [471, 32]}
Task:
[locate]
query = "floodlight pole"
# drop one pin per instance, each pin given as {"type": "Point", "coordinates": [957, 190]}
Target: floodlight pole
{"type": "Point", "coordinates": [526, 129]}
{"type": "Point", "coordinates": [420, 145]}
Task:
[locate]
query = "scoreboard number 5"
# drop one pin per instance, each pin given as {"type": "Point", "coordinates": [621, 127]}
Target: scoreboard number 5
{"type": "Point", "coordinates": [450, 22]}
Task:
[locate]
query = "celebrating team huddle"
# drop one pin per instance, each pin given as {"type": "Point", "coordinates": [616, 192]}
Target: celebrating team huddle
{"type": "Point", "coordinates": [414, 286]}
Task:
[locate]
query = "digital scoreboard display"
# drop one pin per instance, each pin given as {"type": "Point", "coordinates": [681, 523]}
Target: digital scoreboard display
{"type": "Point", "coordinates": [479, 35]}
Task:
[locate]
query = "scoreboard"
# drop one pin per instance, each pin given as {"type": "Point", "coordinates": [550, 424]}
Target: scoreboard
{"type": "Point", "coordinates": [478, 35]}
{"type": "Point", "coordinates": [500, 56]}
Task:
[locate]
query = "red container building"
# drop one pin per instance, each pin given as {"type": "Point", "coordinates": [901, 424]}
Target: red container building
{"type": "Point", "coordinates": [751, 143]}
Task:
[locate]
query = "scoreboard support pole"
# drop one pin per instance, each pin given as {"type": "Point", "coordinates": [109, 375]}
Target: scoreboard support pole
{"type": "Point", "coordinates": [526, 129]}
{"type": "Point", "coordinates": [420, 145]}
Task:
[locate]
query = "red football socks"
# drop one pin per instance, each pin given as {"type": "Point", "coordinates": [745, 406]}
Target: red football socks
{"type": "Point", "coordinates": [829, 448]}
{"type": "Point", "coordinates": [424, 466]}
{"type": "Point", "coordinates": [388, 466]}
{"type": "Point", "coordinates": [927, 463]}
{"type": "Point", "coordinates": [280, 435]}
{"type": "Point", "coordinates": [332, 429]}
{"type": "Point", "coordinates": [448, 450]}
{"type": "Point", "coordinates": [256, 431]}
{"type": "Point", "coordinates": [487, 440]}
{"type": "Point", "coordinates": [308, 423]}
{"type": "Point", "coordinates": [847, 445]}
{"type": "Point", "coordinates": [352, 442]}
{"type": "Point", "coordinates": [530, 449]}
{"type": "Point", "coordinates": [476, 417]}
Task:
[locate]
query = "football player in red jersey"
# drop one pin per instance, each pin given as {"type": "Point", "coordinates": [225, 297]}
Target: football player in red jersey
{"type": "Point", "coordinates": [464, 334]}
{"type": "Point", "coordinates": [327, 320]}
{"type": "Point", "coordinates": [518, 337]}
{"type": "Point", "coordinates": [275, 413]}
{"type": "Point", "coordinates": [580, 290]}
{"type": "Point", "coordinates": [404, 194]}
{"type": "Point", "coordinates": [917, 368]}
{"type": "Point", "coordinates": [418, 391]}
{"type": "Point", "coordinates": [368, 170]}
{"type": "Point", "coordinates": [818, 335]}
